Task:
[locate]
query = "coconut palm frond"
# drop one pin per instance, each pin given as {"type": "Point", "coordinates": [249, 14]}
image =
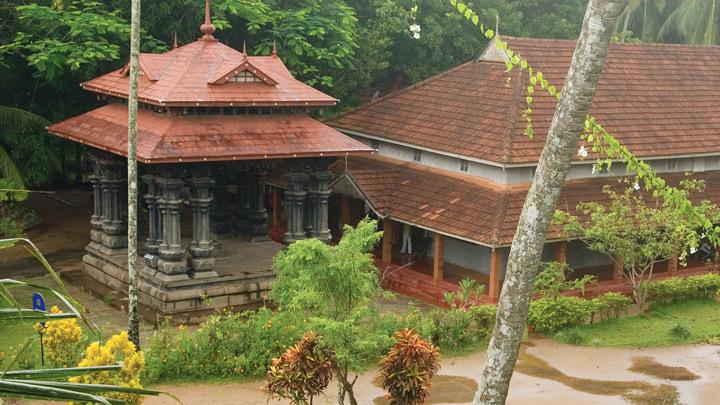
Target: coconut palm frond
{"type": "Point", "coordinates": [15, 119]}
{"type": "Point", "coordinates": [693, 22]}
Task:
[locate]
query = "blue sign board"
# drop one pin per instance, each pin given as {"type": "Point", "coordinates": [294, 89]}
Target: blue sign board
{"type": "Point", "coordinates": [38, 302]}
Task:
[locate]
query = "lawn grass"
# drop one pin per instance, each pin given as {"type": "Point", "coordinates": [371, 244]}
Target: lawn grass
{"type": "Point", "coordinates": [702, 317]}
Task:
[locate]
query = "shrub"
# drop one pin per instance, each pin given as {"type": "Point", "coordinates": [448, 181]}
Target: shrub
{"type": "Point", "coordinates": [680, 330]}
{"type": "Point", "coordinates": [406, 370]}
{"type": "Point", "coordinates": [573, 336]}
{"type": "Point", "coordinates": [457, 328]}
{"type": "Point", "coordinates": [675, 289]}
{"type": "Point", "coordinates": [553, 279]}
{"type": "Point", "coordinates": [302, 372]}
{"type": "Point", "coordinates": [550, 315]}
{"type": "Point", "coordinates": [117, 349]}
{"type": "Point", "coordinates": [62, 339]}
{"type": "Point", "coordinates": [608, 305]}
{"type": "Point", "coordinates": [237, 345]}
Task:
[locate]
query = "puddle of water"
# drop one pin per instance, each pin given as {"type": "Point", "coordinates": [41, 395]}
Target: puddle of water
{"type": "Point", "coordinates": [637, 392]}
{"type": "Point", "coordinates": [648, 366]}
{"type": "Point", "coordinates": [445, 389]}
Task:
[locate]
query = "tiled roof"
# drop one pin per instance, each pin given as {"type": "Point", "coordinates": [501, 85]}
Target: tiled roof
{"type": "Point", "coordinates": [467, 207]}
{"type": "Point", "coordinates": [196, 75]}
{"type": "Point", "coordinates": [657, 99]}
{"type": "Point", "coordinates": [163, 138]}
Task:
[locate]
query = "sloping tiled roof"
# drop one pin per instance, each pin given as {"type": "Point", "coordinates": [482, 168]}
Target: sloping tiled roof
{"type": "Point", "coordinates": [466, 207]}
{"type": "Point", "coordinates": [163, 138]}
{"type": "Point", "coordinates": [657, 99]}
{"type": "Point", "coordinates": [184, 77]}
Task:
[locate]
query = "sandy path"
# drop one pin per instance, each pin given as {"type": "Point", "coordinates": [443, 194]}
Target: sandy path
{"type": "Point", "coordinates": [583, 362]}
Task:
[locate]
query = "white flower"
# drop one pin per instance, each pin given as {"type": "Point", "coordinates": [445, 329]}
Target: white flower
{"type": "Point", "coordinates": [692, 250]}
{"type": "Point", "coordinates": [582, 152]}
{"type": "Point", "coordinates": [416, 35]}
{"type": "Point", "coordinates": [594, 168]}
{"type": "Point", "coordinates": [414, 28]}
{"type": "Point", "coordinates": [636, 185]}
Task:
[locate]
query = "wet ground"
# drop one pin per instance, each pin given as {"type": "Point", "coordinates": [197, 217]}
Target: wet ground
{"type": "Point", "coordinates": [547, 373]}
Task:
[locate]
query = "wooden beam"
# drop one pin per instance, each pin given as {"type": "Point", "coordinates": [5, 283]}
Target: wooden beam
{"type": "Point", "coordinates": [561, 252]}
{"type": "Point", "coordinates": [618, 268]}
{"type": "Point", "coordinates": [495, 268]}
{"type": "Point", "coordinates": [673, 265]}
{"type": "Point", "coordinates": [438, 250]}
{"type": "Point", "coordinates": [388, 225]}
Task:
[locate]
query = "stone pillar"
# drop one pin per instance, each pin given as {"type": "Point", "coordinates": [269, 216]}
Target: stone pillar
{"type": "Point", "coordinates": [154, 236]}
{"type": "Point", "coordinates": [319, 194]}
{"type": "Point", "coordinates": [244, 196]}
{"type": "Point", "coordinates": [96, 220]}
{"type": "Point", "coordinates": [172, 255]}
{"type": "Point", "coordinates": [257, 214]}
{"type": "Point", "coordinates": [221, 212]}
{"type": "Point", "coordinates": [275, 206]}
{"type": "Point", "coordinates": [114, 191]}
{"type": "Point", "coordinates": [494, 279]}
{"type": "Point", "coordinates": [200, 247]}
{"type": "Point", "coordinates": [294, 206]}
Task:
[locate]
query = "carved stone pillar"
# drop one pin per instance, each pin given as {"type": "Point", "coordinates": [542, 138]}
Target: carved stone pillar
{"type": "Point", "coordinates": [96, 220]}
{"type": "Point", "coordinates": [294, 206]}
{"type": "Point", "coordinates": [172, 255]}
{"type": "Point", "coordinates": [319, 194]}
{"type": "Point", "coordinates": [244, 196]}
{"type": "Point", "coordinates": [221, 212]}
{"type": "Point", "coordinates": [154, 236]}
{"type": "Point", "coordinates": [113, 186]}
{"type": "Point", "coordinates": [200, 246]}
{"type": "Point", "coordinates": [257, 214]}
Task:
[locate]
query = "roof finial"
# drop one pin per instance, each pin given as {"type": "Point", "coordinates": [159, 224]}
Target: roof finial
{"type": "Point", "coordinates": [175, 43]}
{"type": "Point", "coordinates": [274, 50]}
{"type": "Point", "coordinates": [207, 28]}
{"type": "Point", "coordinates": [244, 48]}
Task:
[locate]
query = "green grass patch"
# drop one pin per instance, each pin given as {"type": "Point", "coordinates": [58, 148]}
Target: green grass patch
{"type": "Point", "coordinates": [674, 324]}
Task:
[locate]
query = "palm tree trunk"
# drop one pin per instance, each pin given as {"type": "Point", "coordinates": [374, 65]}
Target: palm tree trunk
{"type": "Point", "coordinates": [567, 125]}
{"type": "Point", "coordinates": [133, 307]}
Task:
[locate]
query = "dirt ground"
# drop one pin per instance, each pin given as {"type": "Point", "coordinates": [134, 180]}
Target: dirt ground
{"type": "Point", "coordinates": [569, 375]}
{"type": "Point", "coordinates": [547, 373]}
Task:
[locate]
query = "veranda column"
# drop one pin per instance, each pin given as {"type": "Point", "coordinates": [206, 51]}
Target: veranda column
{"type": "Point", "coordinates": [319, 194]}
{"type": "Point", "coordinates": [201, 249]}
{"type": "Point", "coordinates": [154, 236]}
{"type": "Point", "coordinates": [561, 252]}
{"type": "Point", "coordinates": [294, 204]}
{"type": "Point", "coordinates": [220, 213]}
{"type": "Point", "coordinates": [495, 269]}
{"type": "Point", "coordinates": [387, 240]}
{"type": "Point", "coordinates": [114, 226]}
{"type": "Point", "coordinates": [172, 255]}
{"type": "Point", "coordinates": [257, 214]}
{"type": "Point", "coordinates": [438, 257]}
{"type": "Point", "coordinates": [244, 192]}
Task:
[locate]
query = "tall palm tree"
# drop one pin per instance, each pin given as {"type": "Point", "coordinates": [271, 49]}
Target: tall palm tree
{"type": "Point", "coordinates": [644, 17]}
{"type": "Point", "coordinates": [133, 306]}
{"type": "Point", "coordinates": [692, 22]}
{"type": "Point", "coordinates": [16, 120]}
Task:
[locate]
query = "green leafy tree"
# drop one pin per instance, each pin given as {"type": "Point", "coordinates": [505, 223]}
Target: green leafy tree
{"type": "Point", "coordinates": [553, 279]}
{"type": "Point", "coordinates": [635, 232]}
{"type": "Point", "coordinates": [334, 287]}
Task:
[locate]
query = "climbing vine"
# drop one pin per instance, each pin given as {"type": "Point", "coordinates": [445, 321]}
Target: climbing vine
{"type": "Point", "coordinates": [607, 147]}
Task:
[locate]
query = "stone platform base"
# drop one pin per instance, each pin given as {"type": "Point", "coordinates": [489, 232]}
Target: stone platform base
{"type": "Point", "coordinates": [180, 298]}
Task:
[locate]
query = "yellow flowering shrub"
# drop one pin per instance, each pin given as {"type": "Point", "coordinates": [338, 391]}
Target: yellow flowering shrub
{"type": "Point", "coordinates": [117, 349]}
{"type": "Point", "coordinates": [62, 339]}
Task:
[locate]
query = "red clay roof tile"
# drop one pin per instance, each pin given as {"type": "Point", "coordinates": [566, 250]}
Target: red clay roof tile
{"type": "Point", "coordinates": [657, 99]}
{"type": "Point", "coordinates": [163, 138]}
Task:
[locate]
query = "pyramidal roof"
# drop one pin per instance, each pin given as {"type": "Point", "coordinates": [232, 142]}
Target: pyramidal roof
{"type": "Point", "coordinates": [209, 73]}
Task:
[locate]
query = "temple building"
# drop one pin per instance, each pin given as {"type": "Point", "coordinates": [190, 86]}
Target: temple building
{"type": "Point", "coordinates": [214, 124]}
{"type": "Point", "coordinates": [453, 163]}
